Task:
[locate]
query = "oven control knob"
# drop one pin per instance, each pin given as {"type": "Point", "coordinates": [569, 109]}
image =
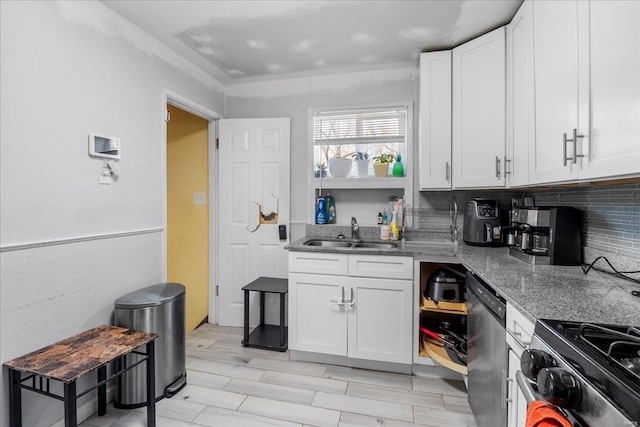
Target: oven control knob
{"type": "Point", "coordinates": [532, 361]}
{"type": "Point", "coordinates": [559, 387]}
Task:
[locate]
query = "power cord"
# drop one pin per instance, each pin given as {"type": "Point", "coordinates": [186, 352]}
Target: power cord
{"type": "Point", "coordinates": [622, 274]}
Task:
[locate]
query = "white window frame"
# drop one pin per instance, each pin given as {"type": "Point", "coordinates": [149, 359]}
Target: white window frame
{"type": "Point", "coordinates": [408, 154]}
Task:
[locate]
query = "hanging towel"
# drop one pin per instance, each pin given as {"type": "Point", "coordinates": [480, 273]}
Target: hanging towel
{"type": "Point", "coordinates": [543, 414]}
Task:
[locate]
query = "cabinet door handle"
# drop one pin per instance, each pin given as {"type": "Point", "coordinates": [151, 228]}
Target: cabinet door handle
{"type": "Point", "coordinates": [498, 167]}
{"type": "Point", "coordinates": [339, 302]}
{"type": "Point", "coordinates": [575, 156]}
{"type": "Point", "coordinates": [504, 388]}
{"type": "Point", "coordinates": [506, 169]}
{"type": "Point", "coordinates": [575, 145]}
{"type": "Point", "coordinates": [446, 171]}
{"type": "Point", "coordinates": [352, 301]}
{"type": "Point", "coordinates": [516, 336]}
{"type": "Point", "coordinates": [509, 385]}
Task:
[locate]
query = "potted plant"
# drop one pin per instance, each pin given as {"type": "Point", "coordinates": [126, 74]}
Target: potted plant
{"type": "Point", "coordinates": [321, 170]}
{"type": "Point", "coordinates": [381, 164]}
{"type": "Point", "coordinates": [362, 163]}
{"type": "Point", "coordinates": [339, 165]}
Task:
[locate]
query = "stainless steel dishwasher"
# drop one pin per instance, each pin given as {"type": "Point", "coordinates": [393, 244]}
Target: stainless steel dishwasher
{"type": "Point", "coordinates": [487, 349]}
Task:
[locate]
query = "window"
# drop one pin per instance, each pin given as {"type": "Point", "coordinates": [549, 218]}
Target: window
{"type": "Point", "coordinates": [359, 134]}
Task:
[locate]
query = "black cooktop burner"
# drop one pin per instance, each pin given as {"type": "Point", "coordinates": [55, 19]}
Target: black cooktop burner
{"type": "Point", "coordinates": [608, 356]}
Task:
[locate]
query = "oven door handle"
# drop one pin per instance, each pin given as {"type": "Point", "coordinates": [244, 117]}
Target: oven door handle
{"type": "Point", "coordinates": [526, 387]}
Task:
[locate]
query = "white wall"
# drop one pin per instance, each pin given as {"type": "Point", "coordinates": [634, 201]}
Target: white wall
{"type": "Point", "coordinates": [67, 69]}
{"type": "Point", "coordinates": [294, 97]}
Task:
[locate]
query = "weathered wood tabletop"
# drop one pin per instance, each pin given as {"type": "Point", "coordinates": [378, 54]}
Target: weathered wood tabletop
{"type": "Point", "coordinates": [71, 358]}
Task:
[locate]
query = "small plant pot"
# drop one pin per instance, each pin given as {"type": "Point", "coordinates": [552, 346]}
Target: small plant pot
{"type": "Point", "coordinates": [340, 168]}
{"type": "Point", "coordinates": [381, 169]}
{"type": "Point", "coordinates": [363, 168]}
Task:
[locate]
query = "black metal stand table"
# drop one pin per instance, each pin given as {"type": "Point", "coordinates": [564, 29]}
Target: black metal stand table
{"type": "Point", "coordinates": [270, 337]}
{"type": "Point", "coordinates": [70, 359]}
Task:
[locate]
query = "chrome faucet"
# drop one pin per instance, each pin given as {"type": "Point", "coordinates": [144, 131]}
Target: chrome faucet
{"type": "Point", "coordinates": [355, 229]}
{"type": "Point", "coordinates": [453, 210]}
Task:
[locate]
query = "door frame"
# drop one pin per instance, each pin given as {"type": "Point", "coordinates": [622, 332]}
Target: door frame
{"type": "Point", "coordinates": [171, 98]}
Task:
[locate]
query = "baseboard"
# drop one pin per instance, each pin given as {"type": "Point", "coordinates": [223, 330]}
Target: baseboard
{"type": "Point", "coordinates": [425, 371]}
{"type": "Point", "coordinates": [205, 320]}
{"type": "Point", "coordinates": [329, 359]}
{"type": "Point", "coordinates": [441, 372]}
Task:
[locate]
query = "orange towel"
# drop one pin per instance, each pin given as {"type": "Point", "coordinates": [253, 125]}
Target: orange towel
{"type": "Point", "coordinates": [543, 414]}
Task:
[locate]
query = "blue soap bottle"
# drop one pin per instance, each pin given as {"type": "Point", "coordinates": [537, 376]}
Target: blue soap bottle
{"type": "Point", "coordinates": [321, 216]}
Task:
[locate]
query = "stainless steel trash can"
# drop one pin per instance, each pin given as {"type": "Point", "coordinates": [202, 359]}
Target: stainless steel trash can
{"type": "Point", "coordinates": [159, 309]}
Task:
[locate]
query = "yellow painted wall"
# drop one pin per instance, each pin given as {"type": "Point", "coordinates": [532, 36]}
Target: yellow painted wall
{"type": "Point", "coordinates": [187, 223]}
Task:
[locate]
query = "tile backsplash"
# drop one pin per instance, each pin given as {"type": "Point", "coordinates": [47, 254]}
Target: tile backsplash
{"type": "Point", "coordinates": [610, 215]}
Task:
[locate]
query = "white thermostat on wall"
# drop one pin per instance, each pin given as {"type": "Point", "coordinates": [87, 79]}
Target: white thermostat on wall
{"type": "Point", "coordinates": [104, 146]}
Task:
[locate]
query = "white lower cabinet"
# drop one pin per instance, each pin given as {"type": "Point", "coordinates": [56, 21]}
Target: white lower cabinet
{"type": "Point", "coordinates": [517, 409]}
{"type": "Point", "coordinates": [316, 322]}
{"type": "Point", "coordinates": [350, 315]}
{"type": "Point", "coordinates": [519, 331]}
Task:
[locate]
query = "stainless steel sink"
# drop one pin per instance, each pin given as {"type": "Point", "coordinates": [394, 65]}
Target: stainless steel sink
{"type": "Point", "coordinates": [352, 245]}
{"type": "Point", "coordinates": [370, 245]}
{"type": "Point", "coordinates": [328, 243]}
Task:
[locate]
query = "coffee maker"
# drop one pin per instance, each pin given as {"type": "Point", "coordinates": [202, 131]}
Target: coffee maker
{"type": "Point", "coordinates": [547, 235]}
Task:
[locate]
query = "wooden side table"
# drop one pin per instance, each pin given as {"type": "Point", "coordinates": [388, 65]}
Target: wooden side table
{"type": "Point", "coordinates": [70, 359]}
{"type": "Point", "coordinates": [269, 337]}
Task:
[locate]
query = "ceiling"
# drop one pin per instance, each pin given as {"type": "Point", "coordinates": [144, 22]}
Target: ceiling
{"type": "Point", "coordinates": [237, 41]}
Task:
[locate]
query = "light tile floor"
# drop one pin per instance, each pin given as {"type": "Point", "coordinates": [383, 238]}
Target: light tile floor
{"type": "Point", "coordinates": [230, 385]}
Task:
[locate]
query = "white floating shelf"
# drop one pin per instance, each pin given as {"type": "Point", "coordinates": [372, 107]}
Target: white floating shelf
{"type": "Point", "coordinates": [365, 183]}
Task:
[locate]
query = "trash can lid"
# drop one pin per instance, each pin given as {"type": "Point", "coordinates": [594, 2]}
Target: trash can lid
{"type": "Point", "coordinates": [151, 296]}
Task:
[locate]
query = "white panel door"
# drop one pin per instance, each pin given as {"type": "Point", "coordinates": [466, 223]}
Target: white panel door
{"type": "Point", "coordinates": [613, 146]}
{"type": "Point", "coordinates": [381, 319]}
{"type": "Point", "coordinates": [478, 136]}
{"type": "Point", "coordinates": [317, 316]}
{"type": "Point", "coordinates": [520, 95]}
{"type": "Point", "coordinates": [555, 32]}
{"type": "Point", "coordinates": [254, 194]}
{"type": "Point", "coordinates": [434, 124]}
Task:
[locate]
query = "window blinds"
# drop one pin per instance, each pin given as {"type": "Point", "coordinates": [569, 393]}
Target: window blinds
{"type": "Point", "coordinates": [360, 127]}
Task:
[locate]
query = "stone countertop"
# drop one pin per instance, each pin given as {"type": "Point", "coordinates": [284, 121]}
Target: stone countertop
{"type": "Point", "coordinates": [538, 291]}
{"type": "Point", "coordinates": [554, 291]}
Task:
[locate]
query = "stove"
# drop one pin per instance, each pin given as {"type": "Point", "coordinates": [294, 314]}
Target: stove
{"type": "Point", "coordinates": [591, 372]}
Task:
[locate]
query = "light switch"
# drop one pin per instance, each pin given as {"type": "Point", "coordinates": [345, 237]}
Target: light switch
{"type": "Point", "coordinates": [104, 173]}
{"type": "Point", "coordinates": [199, 198]}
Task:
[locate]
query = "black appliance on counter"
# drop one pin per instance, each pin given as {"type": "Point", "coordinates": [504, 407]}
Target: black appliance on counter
{"type": "Point", "coordinates": [590, 372]}
{"type": "Point", "coordinates": [547, 235]}
{"type": "Point", "coordinates": [482, 223]}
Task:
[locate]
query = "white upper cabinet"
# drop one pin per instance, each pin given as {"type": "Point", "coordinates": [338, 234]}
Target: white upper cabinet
{"type": "Point", "coordinates": [520, 96]}
{"type": "Point", "coordinates": [612, 147]}
{"type": "Point", "coordinates": [587, 86]}
{"type": "Point", "coordinates": [478, 136]}
{"type": "Point", "coordinates": [434, 124]}
{"type": "Point", "coordinates": [556, 91]}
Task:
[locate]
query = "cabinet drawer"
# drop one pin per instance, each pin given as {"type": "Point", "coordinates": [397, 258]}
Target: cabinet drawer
{"type": "Point", "coordinates": [519, 330]}
{"type": "Point", "coordinates": [318, 263]}
{"type": "Point", "coordinates": [386, 267]}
